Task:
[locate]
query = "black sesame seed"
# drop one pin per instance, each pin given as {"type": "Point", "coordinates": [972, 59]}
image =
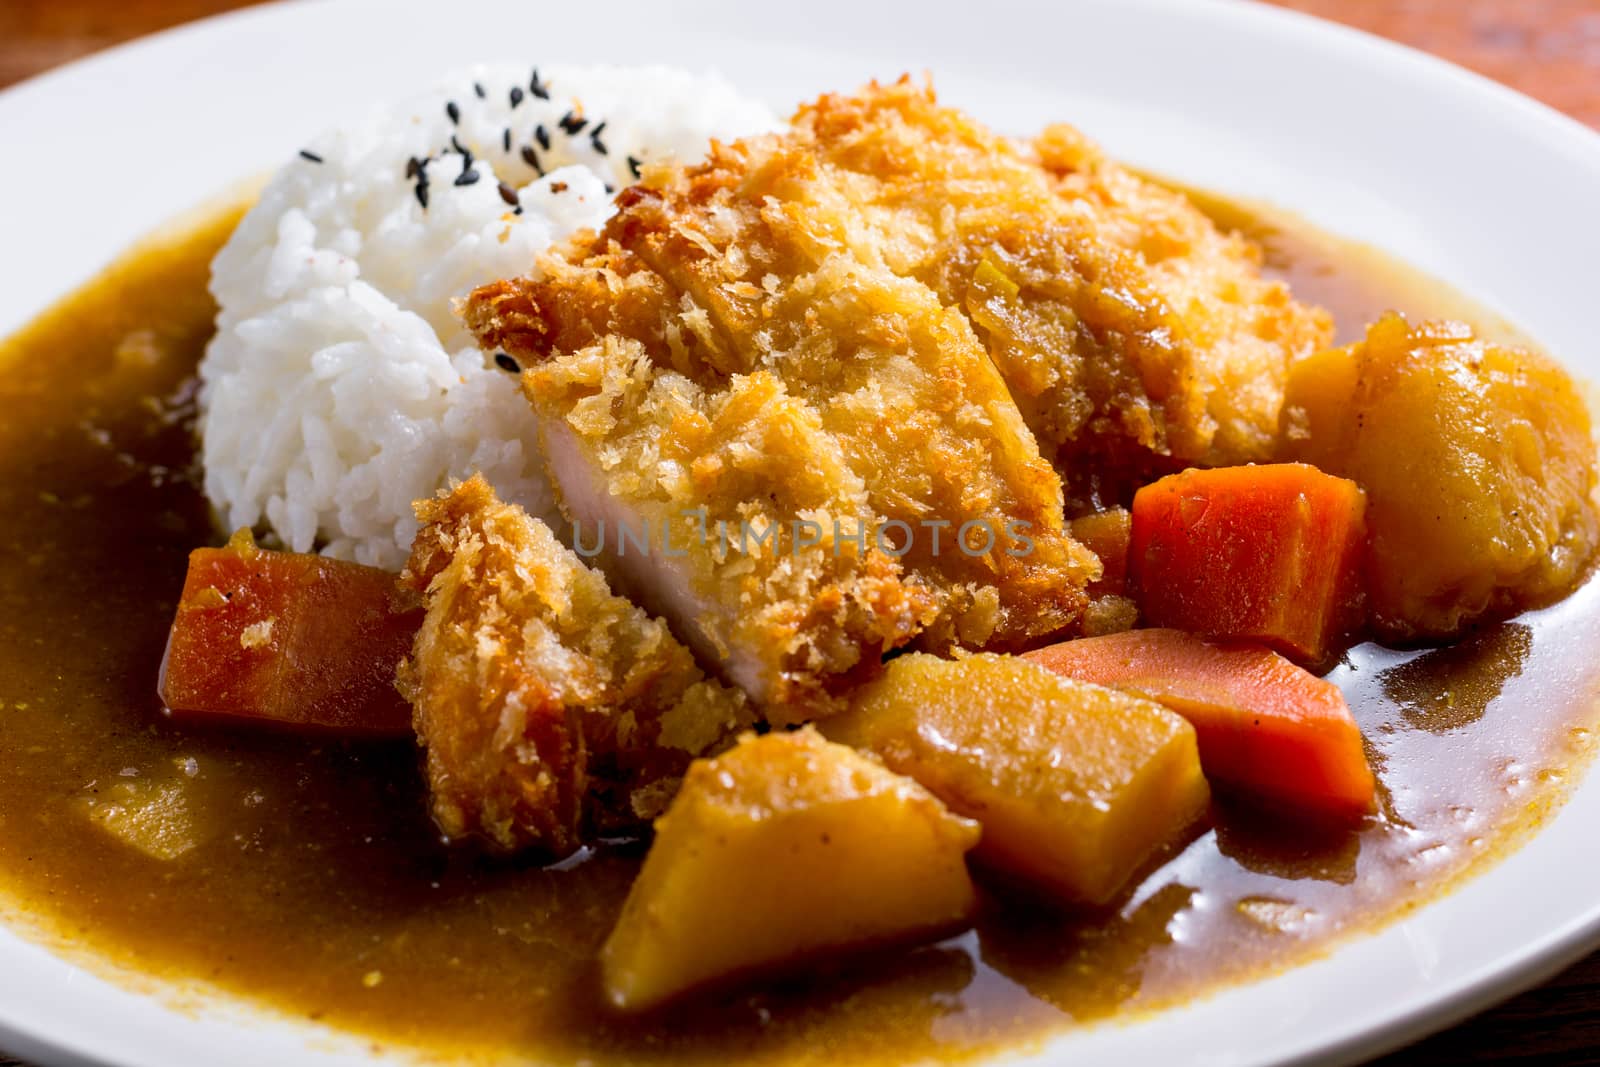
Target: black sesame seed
{"type": "Point", "coordinates": [505, 140]}
{"type": "Point", "coordinates": [594, 138]}
{"type": "Point", "coordinates": [478, 88]}
{"type": "Point", "coordinates": [531, 158]}
{"type": "Point", "coordinates": [542, 135]}
{"type": "Point", "coordinates": [422, 194]}
{"type": "Point", "coordinates": [506, 363]}
{"type": "Point", "coordinates": [610, 188]}
{"type": "Point", "coordinates": [306, 153]}
{"type": "Point", "coordinates": [516, 95]}
{"type": "Point", "coordinates": [517, 210]}
{"type": "Point", "coordinates": [508, 194]}
{"type": "Point", "coordinates": [634, 163]}
{"type": "Point", "coordinates": [537, 88]}
{"type": "Point", "coordinates": [572, 123]}
{"type": "Point", "coordinates": [453, 111]}
{"type": "Point", "coordinates": [467, 177]}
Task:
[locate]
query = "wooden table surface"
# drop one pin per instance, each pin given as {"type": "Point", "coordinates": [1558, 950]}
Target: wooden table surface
{"type": "Point", "coordinates": [1549, 49]}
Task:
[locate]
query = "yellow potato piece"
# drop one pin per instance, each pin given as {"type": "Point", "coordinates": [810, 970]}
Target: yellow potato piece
{"type": "Point", "coordinates": [1477, 461]}
{"type": "Point", "coordinates": [786, 848]}
{"type": "Point", "coordinates": [1076, 786]}
{"type": "Point", "coordinates": [153, 817]}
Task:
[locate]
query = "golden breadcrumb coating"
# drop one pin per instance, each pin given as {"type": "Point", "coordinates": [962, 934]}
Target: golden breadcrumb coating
{"type": "Point", "coordinates": [725, 344]}
{"type": "Point", "coordinates": [760, 242]}
{"type": "Point", "coordinates": [728, 473]}
{"type": "Point", "coordinates": [923, 297]}
{"type": "Point", "coordinates": [550, 709]}
{"type": "Point", "coordinates": [1118, 313]}
{"type": "Point", "coordinates": [1244, 330]}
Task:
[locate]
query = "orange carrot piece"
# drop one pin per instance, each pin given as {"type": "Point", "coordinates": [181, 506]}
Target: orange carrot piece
{"type": "Point", "coordinates": [1257, 553]}
{"type": "Point", "coordinates": [288, 638]}
{"type": "Point", "coordinates": [1264, 725]}
{"type": "Point", "coordinates": [1106, 534]}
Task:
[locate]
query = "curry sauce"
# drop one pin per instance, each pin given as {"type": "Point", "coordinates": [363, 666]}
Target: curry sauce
{"type": "Point", "coordinates": [313, 881]}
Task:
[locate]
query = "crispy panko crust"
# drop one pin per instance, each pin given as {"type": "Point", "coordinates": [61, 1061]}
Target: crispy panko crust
{"type": "Point", "coordinates": [763, 243]}
{"type": "Point", "coordinates": [755, 274]}
{"type": "Point", "coordinates": [1133, 334]}
{"type": "Point", "coordinates": [1243, 331]}
{"type": "Point", "coordinates": [727, 472]}
{"type": "Point", "coordinates": [926, 302]}
{"type": "Point", "coordinates": [550, 709]}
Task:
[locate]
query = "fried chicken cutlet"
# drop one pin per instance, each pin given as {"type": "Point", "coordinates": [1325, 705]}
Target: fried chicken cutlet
{"type": "Point", "coordinates": [1133, 334]}
{"type": "Point", "coordinates": [732, 343]}
{"type": "Point", "coordinates": [550, 709]}
{"type": "Point", "coordinates": [701, 499]}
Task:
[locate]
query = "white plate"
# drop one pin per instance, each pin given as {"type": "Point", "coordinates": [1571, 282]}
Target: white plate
{"type": "Point", "coordinates": [1465, 179]}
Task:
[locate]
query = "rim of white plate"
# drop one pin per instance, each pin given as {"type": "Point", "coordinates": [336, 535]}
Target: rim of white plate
{"type": "Point", "coordinates": [1526, 163]}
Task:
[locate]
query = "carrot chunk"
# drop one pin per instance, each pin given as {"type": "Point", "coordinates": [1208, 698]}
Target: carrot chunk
{"type": "Point", "coordinates": [1257, 553]}
{"type": "Point", "coordinates": [289, 638]}
{"type": "Point", "coordinates": [1264, 725]}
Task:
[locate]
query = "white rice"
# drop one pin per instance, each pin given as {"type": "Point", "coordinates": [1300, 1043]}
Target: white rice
{"type": "Point", "coordinates": [340, 386]}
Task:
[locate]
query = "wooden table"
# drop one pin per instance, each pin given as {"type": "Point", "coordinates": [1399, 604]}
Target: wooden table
{"type": "Point", "coordinates": [1549, 49]}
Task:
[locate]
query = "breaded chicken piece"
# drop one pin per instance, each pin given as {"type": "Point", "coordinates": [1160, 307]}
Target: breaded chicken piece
{"type": "Point", "coordinates": [1132, 333]}
{"type": "Point", "coordinates": [550, 709]}
{"type": "Point", "coordinates": [788, 613]}
{"type": "Point", "coordinates": [762, 243]}
{"type": "Point", "coordinates": [1243, 329]}
{"type": "Point", "coordinates": [723, 343]}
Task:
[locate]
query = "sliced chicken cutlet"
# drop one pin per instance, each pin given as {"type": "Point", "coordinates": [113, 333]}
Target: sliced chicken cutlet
{"type": "Point", "coordinates": [728, 342]}
{"type": "Point", "coordinates": [550, 709]}
{"type": "Point", "coordinates": [1133, 333]}
{"type": "Point", "coordinates": [715, 508]}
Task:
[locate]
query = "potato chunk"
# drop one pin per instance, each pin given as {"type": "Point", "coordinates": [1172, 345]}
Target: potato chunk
{"type": "Point", "coordinates": [1076, 786]}
{"type": "Point", "coordinates": [785, 848]}
{"type": "Point", "coordinates": [154, 817]}
{"type": "Point", "coordinates": [1478, 464]}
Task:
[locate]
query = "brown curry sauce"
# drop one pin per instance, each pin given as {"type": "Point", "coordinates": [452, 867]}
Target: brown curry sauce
{"type": "Point", "coordinates": [321, 889]}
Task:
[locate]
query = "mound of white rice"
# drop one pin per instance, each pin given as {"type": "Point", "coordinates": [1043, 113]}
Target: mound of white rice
{"type": "Point", "coordinates": [340, 386]}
